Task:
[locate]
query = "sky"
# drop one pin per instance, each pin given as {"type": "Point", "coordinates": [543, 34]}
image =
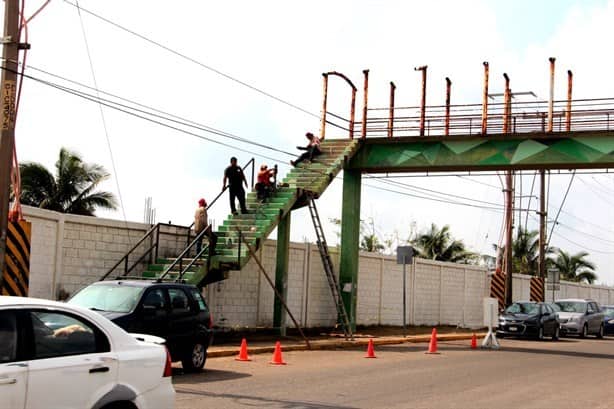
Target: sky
{"type": "Point", "coordinates": [281, 48]}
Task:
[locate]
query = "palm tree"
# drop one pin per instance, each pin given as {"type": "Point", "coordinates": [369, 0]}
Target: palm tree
{"type": "Point", "coordinates": [438, 244]}
{"type": "Point", "coordinates": [525, 252]}
{"type": "Point", "coordinates": [370, 242]}
{"type": "Point", "coordinates": [72, 190]}
{"type": "Point", "coordinates": [575, 267]}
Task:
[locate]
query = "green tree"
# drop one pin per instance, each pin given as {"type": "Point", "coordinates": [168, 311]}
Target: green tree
{"type": "Point", "coordinates": [73, 189]}
{"type": "Point", "coordinates": [438, 244]}
{"type": "Point", "coordinates": [525, 252]}
{"type": "Point", "coordinates": [370, 242]}
{"type": "Point", "coordinates": [574, 267]}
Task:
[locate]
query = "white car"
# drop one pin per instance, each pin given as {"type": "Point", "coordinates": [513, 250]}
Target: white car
{"type": "Point", "coordinates": [60, 356]}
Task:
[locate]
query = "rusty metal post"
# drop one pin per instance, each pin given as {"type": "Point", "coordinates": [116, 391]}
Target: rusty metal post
{"type": "Point", "coordinates": [364, 103]}
{"type": "Point", "coordinates": [551, 99]}
{"type": "Point", "coordinates": [568, 113]}
{"type": "Point", "coordinates": [447, 120]}
{"type": "Point", "coordinates": [352, 113]}
{"type": "Point", "coordinates": [506, 103]}
{"type": "Point", "coordinates": [423, 98]}
{"type": "Point", "coordinates": [323, 124]}
{"type": "Point", "coordinates": [485, 100]}
{"type": "Point", "coordinates": [391, 109]}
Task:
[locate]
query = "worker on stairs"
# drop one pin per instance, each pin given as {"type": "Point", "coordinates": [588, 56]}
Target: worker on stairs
{"type": "Point", "coordinates": [265, 186]}
{"type": "Point", "coordinates": [312, 149]}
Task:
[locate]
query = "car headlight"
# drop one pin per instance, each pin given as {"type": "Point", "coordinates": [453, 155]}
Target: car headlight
{"type": "Point", "coordinates": [611, 321]}
{"type": "Point", "coordinates": [575, 319]}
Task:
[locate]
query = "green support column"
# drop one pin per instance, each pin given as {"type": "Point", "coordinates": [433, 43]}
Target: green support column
{"type": "Point", "coordinates": [350, 237]}
{"type": "Point", "coordinates": [281, 272]}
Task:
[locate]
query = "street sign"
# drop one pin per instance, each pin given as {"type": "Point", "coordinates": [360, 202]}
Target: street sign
{"type": "Point", "coordinates": [405, 254]}
{"type": "Point", "coordinates": [554, 276]}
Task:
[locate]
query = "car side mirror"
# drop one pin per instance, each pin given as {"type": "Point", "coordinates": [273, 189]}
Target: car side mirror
{"type": "Point", "coordinates": [546, 314]}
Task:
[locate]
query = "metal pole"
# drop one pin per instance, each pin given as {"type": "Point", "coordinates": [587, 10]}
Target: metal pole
{"type": "Point", "coordinates": [485, 100]}
{"type": "Point", "coordinates": [279, 297]}
{"type": "Point", "coordinates": [391, 109]}
{"type": "Point", "coordinates": [10, 55]}
{"type": "Point", "coordinates": [423, 99]}
{"type": "Point", "coordinates": [323, 124]}
{"type": "Point", "coordinates": [352, 113]}
{"type": "Point", "coordinates": [508, 237]}
{"type": "Point", "coordinates": [364, 103]}
{"type": "Point", "coordinates": [404, 299]}
{"type": "Point", "coordinates": [506, 101]}
{"type": "Point", "coordinates": [551, 100]}
{"type": "Point", "coordinates": [569, 89]}
{"type": "Point", "coordinates": [447, 120]}
{"type": "Point", "coordinates": [542, 226]}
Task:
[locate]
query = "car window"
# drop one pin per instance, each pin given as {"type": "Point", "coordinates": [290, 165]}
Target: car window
{"type": "Point", "coordinates": [555, 308]}
{"type": "Point", "coordinates": [155, 300]}
{"type": "Point", "coordinates": [522, 308]}
{"type": "Point", "coordinates": [608, 310]}
{"type": "Point", "coordinates": [590, 307]}
{"type": "Point", "coordinates": [546, 309]}
{"type": "Point", "coordinates": [595, 307]}
{"type": "Point", "coordinates": [179, 301]}
{"type": "Point", "coordinates": [8, 337]}
{"type": "Point", "coordinates": [60, 334]}
{"type": "Point", "coordinates": [202, 306]}
{"type": "Point", "coordinates": [112, 297]}
{"type": "Point", "coordinates": [572, 306]}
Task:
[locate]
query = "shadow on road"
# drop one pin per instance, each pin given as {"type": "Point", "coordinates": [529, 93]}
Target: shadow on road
{"type": "Point", "coordinates": [260, 401]}
{"type": "Point", "coordinates": [208, 375]}
{"type": "Point", "coordinates": [573, 354]}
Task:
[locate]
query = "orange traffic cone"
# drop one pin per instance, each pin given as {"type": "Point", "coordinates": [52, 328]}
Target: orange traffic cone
{"type": "Point", "coordinates": [433, 343]}
{"type": "Point", "coordinates": [474, 341]}
{"type": "Point", "coordinates": [243, 352]}
{"type": "Point", "coordinates": [277, 359]}
{"type": "Point", "coordinates": [370, 350]}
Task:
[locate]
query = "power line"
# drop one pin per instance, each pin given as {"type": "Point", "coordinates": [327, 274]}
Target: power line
{"type": "Point", "coordinates": [560, 208]}
{"type": "Point", "coordinates": [102, 117]}
{"type": "Point", "coordinates": [193, 60]}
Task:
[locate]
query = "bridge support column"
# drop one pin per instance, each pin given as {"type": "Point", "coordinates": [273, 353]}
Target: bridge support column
{"type": "Point", "coordinates": [281, 272]}
{"type": "Point", "coordinates": [350, 240]}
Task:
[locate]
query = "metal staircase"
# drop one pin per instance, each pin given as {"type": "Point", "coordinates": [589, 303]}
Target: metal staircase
{"type": "Point", "coordinates": [342, 316]}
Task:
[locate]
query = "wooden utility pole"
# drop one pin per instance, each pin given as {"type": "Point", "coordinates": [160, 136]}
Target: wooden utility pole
{"type": "Point", "coordinates": [10, 55]}
{"type": "Point", "coordinates": [509, 215]}
{"type": "Point", "coordinates": [542, 228]}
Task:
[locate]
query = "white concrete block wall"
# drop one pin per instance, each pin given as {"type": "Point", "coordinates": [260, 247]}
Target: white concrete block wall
{"type": "Point", "coordinates": [452, 295]}
{"type": "Point", "coordinates": [391, 304]}
{"type": "Point", "coordinates": [43, 255]}
{"type": "Point", "coordinates": [427, 293]}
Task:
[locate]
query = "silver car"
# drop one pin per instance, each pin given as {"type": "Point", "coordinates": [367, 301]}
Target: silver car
{"type": "Point", "coordinates": [579, 317]}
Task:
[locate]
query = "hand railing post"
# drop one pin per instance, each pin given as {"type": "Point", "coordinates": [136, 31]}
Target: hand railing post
{"type": "Point", "coordinates": [485, 100]}
{"type": "Point", "coordinates": [324, 98]}
{"type": "Point", "coordinates": [253, 162]}
{"type": "Point", "coordinates": [569, 90]}
{"type": "Point", "coordinates": [447, 119]}
{"type": "Point", "coordinates": [352, 113]}
{"type": "Point", "coordinates": [391, 109]}
{"type": "Point", "coordinates": [126, 265]}
{"type": "Point", "coordinates": [423, 98]}
{"type": "Point", "coordinates": [364, 104]}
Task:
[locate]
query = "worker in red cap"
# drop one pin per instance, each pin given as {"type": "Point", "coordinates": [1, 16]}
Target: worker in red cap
{"type": "Point", "coordinates": [201, 223]}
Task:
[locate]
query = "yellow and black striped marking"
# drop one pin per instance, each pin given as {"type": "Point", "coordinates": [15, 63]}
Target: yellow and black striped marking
{"type": "Point", "coordinates": [537, 289]}
{"type": "Point", "coordinates": [17, 259]}
{"type": "Point", "coordinates": [497, 288]}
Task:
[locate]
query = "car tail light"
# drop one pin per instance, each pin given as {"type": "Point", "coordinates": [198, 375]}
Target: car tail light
{"type": "Point", "coordinates": [168, 367]}
{"type": "Point", "coordinates": [210, 320]}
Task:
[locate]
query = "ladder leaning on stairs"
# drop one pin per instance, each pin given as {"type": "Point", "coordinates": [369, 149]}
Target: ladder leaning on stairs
{"type": "Point", "coordinates": [342, 316]}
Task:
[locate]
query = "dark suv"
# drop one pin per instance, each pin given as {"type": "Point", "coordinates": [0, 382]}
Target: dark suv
{"type": "Point", "coordinates": [173, 311]}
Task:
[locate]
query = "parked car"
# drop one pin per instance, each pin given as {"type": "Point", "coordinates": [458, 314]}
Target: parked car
{"type": "Point", "coordinates": [176, 312]}
{"type": "Point", "coordinates": [54, 355]}
{"type": "Point", "coordinates": [581, 317]}
{"type": "Point", "coordinates": [529, 319]}
{"type": "Point", "coordinates": [608, 319]}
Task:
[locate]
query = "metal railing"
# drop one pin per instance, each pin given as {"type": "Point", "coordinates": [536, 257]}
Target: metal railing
{"type": "Point", "coordinates": [153, 234]}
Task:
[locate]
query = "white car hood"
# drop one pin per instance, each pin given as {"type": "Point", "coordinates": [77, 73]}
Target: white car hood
{"type": "Point", "coordinates": [152, 339]}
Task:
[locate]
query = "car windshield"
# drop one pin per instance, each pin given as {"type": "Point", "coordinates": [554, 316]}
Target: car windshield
{"type": "Point", "coordinates": [608, 311]}
{"type": "Point", "coordinates": [522, 308]}
{"type": "Point", "coordinates": [112, 298]}
{"type": "Point", "coordinates": [555, 307]}
{"type": "Point", "coordinates": [572, 306]}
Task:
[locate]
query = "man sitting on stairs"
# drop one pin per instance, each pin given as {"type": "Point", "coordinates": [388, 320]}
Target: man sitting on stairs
{"type": "Point", "coordinates": [201, 223]}
{"type": "Point", "coordinates": [312, 149]}
{"type": "Point", "coordinates": [265, 185]}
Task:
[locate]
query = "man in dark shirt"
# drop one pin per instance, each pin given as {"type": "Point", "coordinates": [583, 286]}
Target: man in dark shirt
{"type": "Point", "coordinates": [235, 177]}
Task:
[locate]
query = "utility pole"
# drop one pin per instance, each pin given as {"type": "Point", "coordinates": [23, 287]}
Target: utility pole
{"type": "Point", "coordinates": [10, 55]}
{"type": "Point", "coordinates": [509, 215]}
{"type": "Point", "coordinates": [542, 228]}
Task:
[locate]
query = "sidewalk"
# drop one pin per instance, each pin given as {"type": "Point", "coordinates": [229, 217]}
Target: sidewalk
{"type": "Point", "coordinates": [260, 342]}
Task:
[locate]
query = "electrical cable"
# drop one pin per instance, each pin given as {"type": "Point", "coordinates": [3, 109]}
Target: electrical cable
{"type": "Point", "coordinates": [560, 208]}
{"type": "Point", "coordinates": [102, 116]}
{"type": "Point", "coordinates": [193, 60]}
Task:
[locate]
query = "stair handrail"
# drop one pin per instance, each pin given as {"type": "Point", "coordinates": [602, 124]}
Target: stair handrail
{"type": "Point", "coordinates": [185, 251]}
{"type": "Point", "coordinates": [190, 264]}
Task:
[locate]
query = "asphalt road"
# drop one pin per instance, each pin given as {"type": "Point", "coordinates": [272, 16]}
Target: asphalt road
{"type": "Point", "coordinates": [570, 373]}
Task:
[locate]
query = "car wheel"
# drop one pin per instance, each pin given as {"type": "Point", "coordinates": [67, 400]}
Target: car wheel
{"type": "Point", "coordinates": [555, 336]}
{"type": "Point", "coordinates": [584, 332]}
{"type": "Point", "coordinates": [195, 358]}
{"type": "Point", "coordinates": [600, 333]}
{"type": "Point", "coordinates": [540, 333]}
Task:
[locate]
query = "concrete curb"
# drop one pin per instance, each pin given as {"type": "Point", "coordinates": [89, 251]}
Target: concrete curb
{"type": "Point", "coordinates": [318, 345]}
